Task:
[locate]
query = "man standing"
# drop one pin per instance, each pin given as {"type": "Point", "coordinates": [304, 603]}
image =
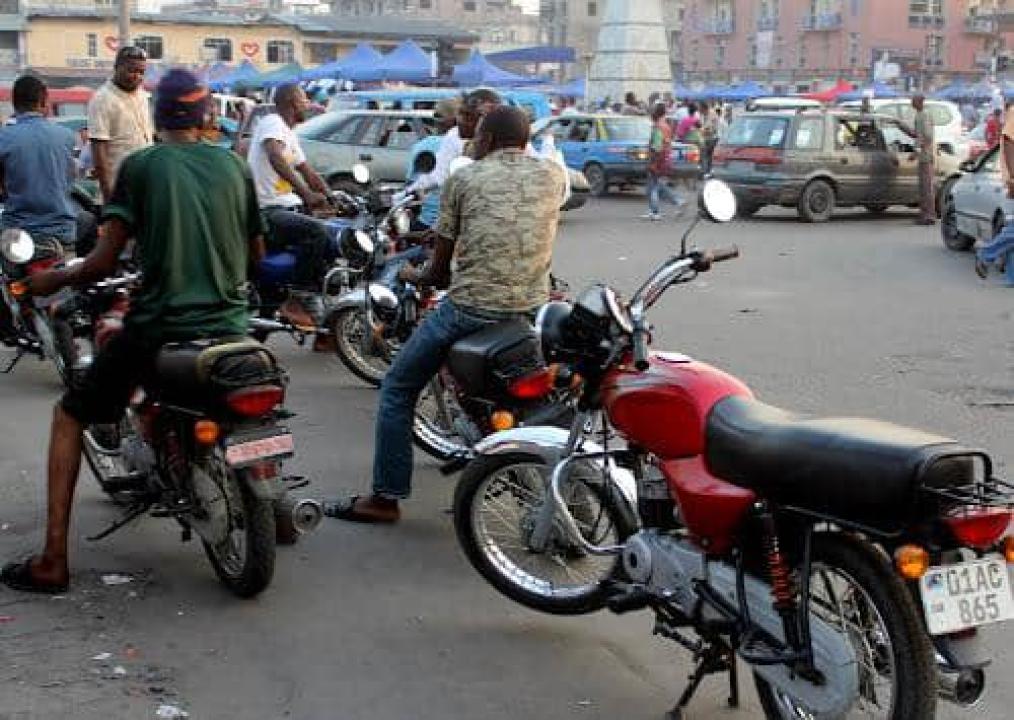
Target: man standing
{"type": "Point", "coordinates": [119, 119]}
{"type": "Point", "coordinates": [446, 116]}
{"type": "Point", "coordinates": [501, 271]}
{"type": "Point", "coordinates": [285, 182]}
{"type": "Point", "coordinates": [660, 165]}
{"type": "Point", "coordinates": [926, 150]}
{"type": "Point", "coordinates": [192, 210]}
{"type": "Point", "coordinates": [1000, 252]}
{"type": "Point", "coordinates": [994, 128]}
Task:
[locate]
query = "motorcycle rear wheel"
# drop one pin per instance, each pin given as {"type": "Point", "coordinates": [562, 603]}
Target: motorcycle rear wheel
{"type": "Point", "coordinates": [430, 430]}
{"type": "Point", "coordinates": [102, 449]}
{"type": "Point", "coordinates": [854, 588]}
{"type": "Point", "coordinates": [495, 505]}
{"type": "Point", "coordinates": [348, 326]}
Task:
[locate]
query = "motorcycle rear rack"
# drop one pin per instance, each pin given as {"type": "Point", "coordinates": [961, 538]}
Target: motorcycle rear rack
{"type": "Point", "coordinates": [988, 491]}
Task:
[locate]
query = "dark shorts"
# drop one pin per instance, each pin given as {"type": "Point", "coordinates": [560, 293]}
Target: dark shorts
{"type": "Point", "coordinates": [123, 365]}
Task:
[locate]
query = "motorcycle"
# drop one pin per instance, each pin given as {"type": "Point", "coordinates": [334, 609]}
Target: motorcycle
{"type": "Point", "coordinates": [850, 564]}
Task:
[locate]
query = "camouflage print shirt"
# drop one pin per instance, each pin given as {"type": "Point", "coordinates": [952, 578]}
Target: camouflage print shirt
{"type": "Point", "coordinates": [502, 213]}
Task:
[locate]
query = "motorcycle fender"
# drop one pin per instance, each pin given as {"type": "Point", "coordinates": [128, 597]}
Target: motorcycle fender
{"type": "Point", "coordinates": [548, 444]}
{"type": "Point", "coordinates": [264, 488]}
{"type": "Point", "coordinates": [963, 653]}
{"type": "Point", "coordinates": [354, 299]}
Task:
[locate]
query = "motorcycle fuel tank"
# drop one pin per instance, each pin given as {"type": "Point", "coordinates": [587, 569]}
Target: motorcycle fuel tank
{"type": "Point", "coordinates": [664, 409]}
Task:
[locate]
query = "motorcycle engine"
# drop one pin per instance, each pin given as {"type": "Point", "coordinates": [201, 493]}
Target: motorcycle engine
{"type": "Point", "coordinates": [666, 565]}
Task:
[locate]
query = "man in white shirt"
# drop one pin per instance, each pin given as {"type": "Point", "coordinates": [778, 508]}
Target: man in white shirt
{"type": "Point", "coordinates": [119, 117]}
{"type": "Point", "coordinates": [285, 183]}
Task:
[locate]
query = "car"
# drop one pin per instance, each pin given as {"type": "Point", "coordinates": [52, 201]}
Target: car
{"type": "Point", "coordinates": [241, 143]}
{"type": "Point", "coordinates": [534, 103]}
{"type": "Point", "coordinates": [816, 161]}
{"type": "Point", "coordinates": [948, 127]}
{"type": "Point", "coordinates": [788, 102]}
{"type": "Point", "coordinates": [975, 205]}
{"type": "Point", "coordinates": [611, 149]}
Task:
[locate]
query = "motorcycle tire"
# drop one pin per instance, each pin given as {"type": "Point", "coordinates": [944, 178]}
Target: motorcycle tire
{"type": "Point", "coordinates": [476, 482]}
{"type": "Point", "coordinates": [248, 572]}
{"type": "Point", "coordinates": [882, 591]}
{"type": "Point", "coordinates": [343, 325]}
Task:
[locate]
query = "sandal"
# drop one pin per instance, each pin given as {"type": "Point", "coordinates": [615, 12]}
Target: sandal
{"type": "Point", "coordinates": [352, 510]}
{"type": "Point", "coordinates": [981, 269]}
{"type": "Point", "coordinates": [18, 576]}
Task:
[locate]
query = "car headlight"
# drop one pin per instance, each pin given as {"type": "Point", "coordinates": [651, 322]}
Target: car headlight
{"type": "Point", "coordinates": [16, 246]}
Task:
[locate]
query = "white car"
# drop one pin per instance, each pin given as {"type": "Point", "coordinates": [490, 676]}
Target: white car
{"type": "Point", "coordinates": [948, 128]}
{"type": "Point", "coordinates": [975, 206]}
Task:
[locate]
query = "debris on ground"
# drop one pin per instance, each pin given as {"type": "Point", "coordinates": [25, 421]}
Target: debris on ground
{"type": "Point", "coordinates": [116, 579]}
{"type": "Point", "coordinates": [102, 657]}
{"type": "Point", "coordinates": [171, 712]}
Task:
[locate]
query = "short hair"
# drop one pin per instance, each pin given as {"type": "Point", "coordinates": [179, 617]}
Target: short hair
{"type": "Point", "coordinates": [483, 95]}
{"type": "Point", "coordinates": [28, 93]}
{"type": "Point", "coordinates": [128, 53]}
{"type": "Point", "coordinates": [508, 127]}
{"type": "Point", "coordinates": [658, 111]}
{"type": "Point", "coordinates": [285, 94]}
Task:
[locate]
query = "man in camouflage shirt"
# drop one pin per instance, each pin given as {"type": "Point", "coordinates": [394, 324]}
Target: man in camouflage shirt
{"type": "Point", "coordinates": [497, 227]}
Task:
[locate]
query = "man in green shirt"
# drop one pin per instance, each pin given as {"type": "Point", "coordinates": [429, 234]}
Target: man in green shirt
{"type": "Point", "coordinates": [192, 209]}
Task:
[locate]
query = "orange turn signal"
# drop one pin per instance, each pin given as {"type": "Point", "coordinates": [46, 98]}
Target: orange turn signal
{"type": "Point", "coordinates": [19, 289]}
{"type": "Point", "coordinates": [912, 561]}
{"type": "Point", "coordinates": [501, 420]}
{"type": "Point", "coordinates": [1008, 548]}
{"type": "Point", "coordinates": [206, 432]}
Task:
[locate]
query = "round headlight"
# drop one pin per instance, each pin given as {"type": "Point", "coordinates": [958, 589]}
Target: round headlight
{"type": "Point", "coordinates": [401, 221]}
{"type": "Point", "coordinates": [17, 246]}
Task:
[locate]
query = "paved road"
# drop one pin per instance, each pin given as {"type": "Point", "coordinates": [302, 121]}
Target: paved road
{"type": "Point", "coordinates": [862, 316]}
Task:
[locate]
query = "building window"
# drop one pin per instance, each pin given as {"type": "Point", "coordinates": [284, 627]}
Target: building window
{"type": "Point", "coordinates": [719, 55]}
{"type": "Point", "coordinates": [425, 4]}
{"type": "Point", "coordinates": [280, 52]}
{"type": "Point", "coordinates": [152, 46]}
{"type": "Point", "coordinates": [469, 5]}
{"type": "Point", "coordinates": [934, 49]}
{"type": "Point", "coordinates": [593, 9]}
{"type": "Point", "coordinates": [218, 49]}
{"type": "Point", "coordinates": [93, 45]}
{"type": "Point", "coordinates": [853, 49]}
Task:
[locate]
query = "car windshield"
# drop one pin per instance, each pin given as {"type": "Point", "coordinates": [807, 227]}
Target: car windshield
{"type": "Point", "coordinates": [747, 131]}
{"type": "Point", "coordinates": [626, 129]}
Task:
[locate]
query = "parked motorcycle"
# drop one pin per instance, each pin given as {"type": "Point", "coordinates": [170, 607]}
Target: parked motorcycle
{"type": "Point", "coordinates": [849, 563]}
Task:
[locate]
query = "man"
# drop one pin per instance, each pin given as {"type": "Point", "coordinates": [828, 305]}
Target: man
{"type": "Point", "coordinates": [284, 182]}
{"type": "Point", "coordinates": [660, 165]}
{"type": "Point", "coordinates": [446, 116]}
{"type": "Point", "coordinates": [501, 271]}
{"type": "Point", "coordinates": [119, 118]}
{"type": "Point", "coordinates": [927, 151]}
{"type": "Point", "coordinates": [994, 128]}
{"type": "Point", "coordinates": [1000, 252]}
{"type": "Point", "coordinates": [192, 211]}
{"type": "Point", "coordinates": [630, 105]}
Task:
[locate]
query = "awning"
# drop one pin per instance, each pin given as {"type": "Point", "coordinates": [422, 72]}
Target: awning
{"type": "Point", "coordinates": [363, 57]}
{"type": "Point", "coordinates": [479, 71]}
{"type": "Point", "coordinates": [540, 54]}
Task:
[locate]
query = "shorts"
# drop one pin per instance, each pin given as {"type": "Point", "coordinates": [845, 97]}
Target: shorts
{"type": "Point", "coordinates": [101, 397]}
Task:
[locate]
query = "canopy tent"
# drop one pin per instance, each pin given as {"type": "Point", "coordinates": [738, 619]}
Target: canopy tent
{"type": "Point", "coordinates": [742, 92]}
{"type": "Point", "coordinates": [832, 93]}
{"type": "Point", "coordinates": [878, 90]}
{"type": "Point", "coordinates": [479, 71]}
{"type": "Point", "coordinates": [286, 74]}
{"type": "Point", "coordinates": [408, 63]}
{"type": "Point", "coordinates": [363, 56]}
{"type": "Point", "coordinates": [573, 89]}
{"type": "Point", "coordinates": [541, 54]}
{"type": "Point", "coordinates": [682, 91]}
{"type": "Point", "coordinates": [212, 73]}
{"type": "Point", "coordinates": [241, 76]}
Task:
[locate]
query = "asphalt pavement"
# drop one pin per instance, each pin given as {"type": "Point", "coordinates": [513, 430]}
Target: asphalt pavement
{"type": "Point", "coordinates": [862, 316]}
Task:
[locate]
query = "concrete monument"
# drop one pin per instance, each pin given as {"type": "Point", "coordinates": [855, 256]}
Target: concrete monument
{"type": "Point", "coordinates": [633, 52]}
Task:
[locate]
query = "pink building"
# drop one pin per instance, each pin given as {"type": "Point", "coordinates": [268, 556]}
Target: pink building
{"type": "Point", "coordinates": [799, 43]}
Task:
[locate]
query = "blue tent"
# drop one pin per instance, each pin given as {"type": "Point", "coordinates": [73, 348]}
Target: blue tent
{"type": "Point", "coordinates": [408, 63]}
{"type": "Point", "coordinates": [479, 71]}
{"type": "Point", "coordinates": [286, 74]}
{"type": "Point", "coordinates": [879, 90]}
{"type": "Point", "coordinates": [574, 89]}
{"type": "Point", "coordinates": [363, 56]}
{"type": "Point", "coordinates": [541, 54]}
{"type": "Point", "coordinates": [742, 92]}
{"type": "Point", "coordinates": [242, 76]}
{"type": "Point", "coordinates": [955, 91]}
{"type": "Point", "coordinates": [682, 91]}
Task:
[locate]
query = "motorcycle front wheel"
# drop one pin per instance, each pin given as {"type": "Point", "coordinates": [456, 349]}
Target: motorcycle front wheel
{"type": "Point", "coordinates": [368, 361]}
{"type": "Point", "coordinates": [854, 589]}
{"type": "Point", "coordinates": [496, 504]}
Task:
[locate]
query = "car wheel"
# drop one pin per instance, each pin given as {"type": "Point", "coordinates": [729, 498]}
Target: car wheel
{"type": "Point", "coordinates": [944, 194]}
{"type": "Point", "coordinates": [953, 239]}
{"type": "Point", "coordinates": [817, 202]}
{"type": "Point", "coordinates": [595, 174]}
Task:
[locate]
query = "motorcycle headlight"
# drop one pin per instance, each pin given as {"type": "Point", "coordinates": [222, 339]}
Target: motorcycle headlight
{"type": "Point", "coordinates": [16, 246]}
{"type": "Point", "coordinates": [401, 222]}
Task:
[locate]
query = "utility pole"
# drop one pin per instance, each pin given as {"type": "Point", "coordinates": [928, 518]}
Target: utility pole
{"type": "Point", "coordinates": [124, 23]}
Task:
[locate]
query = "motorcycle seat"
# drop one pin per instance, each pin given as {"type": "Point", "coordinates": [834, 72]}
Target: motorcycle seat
{"type": "Point", "coordinates": [498, 347]}
{"type": "Point", "coordinates": [187, 371]}
{"type": "Point", "coordinates": [867, 471]}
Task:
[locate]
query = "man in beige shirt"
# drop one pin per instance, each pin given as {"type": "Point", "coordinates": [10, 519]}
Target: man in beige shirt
{"type": "Point", "coordinates": [119, 117]}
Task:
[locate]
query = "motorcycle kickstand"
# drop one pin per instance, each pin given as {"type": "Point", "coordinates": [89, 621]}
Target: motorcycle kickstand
{"type": "Point", "coordinates": [133, 512]}
{"type": "Point", "coordinates": [715, 658]}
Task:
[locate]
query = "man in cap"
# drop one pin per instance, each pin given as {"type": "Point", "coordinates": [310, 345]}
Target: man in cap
{"type": "Point", "coordinates": [192, 210]}
{"type": "Point", "coordinates": [446, 116]}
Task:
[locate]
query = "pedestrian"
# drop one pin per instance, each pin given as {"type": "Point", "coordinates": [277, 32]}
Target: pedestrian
{"type": "Point", "coordinates": [689, 124]}
{"type": "Point", "coordinates": [994, 128]}
{"type": "Point", "coordinates": [119, 117]}
{"type": "Point", "coordinates": [569, 107]}
{"type": "Point", "coordinates": [660, 166]}
{"type": "Point", "coordinates": [630, 105]}
{"type": "Point", "coordinates": [1000, 251]}
{"type": "Point", "coordinates": [500, 272]}
{"type": "Point", "coordinates": [926, 150]}
{"type": "Point", "coordinates": [446, 117]}
{"type": "Point", "coordinates": [191, 209]}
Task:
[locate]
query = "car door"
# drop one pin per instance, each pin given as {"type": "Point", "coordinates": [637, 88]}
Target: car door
{"type": "Point", "coordinates": [393, 147]}
{"type": "Point", "coordinates": [561, 137]}
{"type": "Point", "coordinates": [899, 149]}
{"type": "Point", "coordinates": [329, 149]}
{"type": "Point", "coordinates": [849, 164]}
{"type": "Point", "coordinates": [986, 200]}
{"type": "Point", "coordinates": [365, 148]}
{"type": "Point", "coordinates": [582, 136]}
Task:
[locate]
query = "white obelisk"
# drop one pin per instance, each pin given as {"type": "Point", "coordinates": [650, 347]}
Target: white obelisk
{"type": "Point", "coordinates": [633, 52]}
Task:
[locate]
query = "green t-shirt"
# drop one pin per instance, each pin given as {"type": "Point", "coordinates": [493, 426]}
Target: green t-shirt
{"type": "Point", "coordinates": [192, 209]}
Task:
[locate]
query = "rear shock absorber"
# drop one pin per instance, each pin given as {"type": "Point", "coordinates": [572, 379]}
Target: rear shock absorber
{"type": "Point", "coordinates": [782, 586]}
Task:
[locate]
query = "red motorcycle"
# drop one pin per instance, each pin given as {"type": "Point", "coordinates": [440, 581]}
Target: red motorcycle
{"type": "Point", "coordinates": [849, 563]}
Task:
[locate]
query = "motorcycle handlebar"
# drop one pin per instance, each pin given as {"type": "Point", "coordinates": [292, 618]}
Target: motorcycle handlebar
{"type": "Point", "coordinates": [704, 260]}
{"type": "Point", "coordinates": [640, 339]}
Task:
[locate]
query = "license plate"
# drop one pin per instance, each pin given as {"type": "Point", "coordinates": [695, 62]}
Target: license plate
{"type": "Point", "coordinates": [244, 453]}
{"type": "Point", "coordinates": [966, 595]}
{"type": "Point", "coordinates": [741, 166]}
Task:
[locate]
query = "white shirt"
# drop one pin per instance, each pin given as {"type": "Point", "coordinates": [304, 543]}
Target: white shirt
{"type": "Point", "coordinates": [272, 189]}
{"type": "Point", "coordinates": [451, 147]}
{"type": "Point", "coordinates": [123, 119]}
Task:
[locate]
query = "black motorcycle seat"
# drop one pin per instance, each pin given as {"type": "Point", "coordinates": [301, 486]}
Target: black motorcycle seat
{"type": "Point", "coordinates": [864, 470]}
{"type": "Point", "coordinates": [185, 370]}
{"type": "Point", "coordinates": [508, 343]}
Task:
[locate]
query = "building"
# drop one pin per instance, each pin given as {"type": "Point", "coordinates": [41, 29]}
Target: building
{"type": "Point", "coordinates": [912, 43]}
{"type": "Point", "coordinates": [500, 24]}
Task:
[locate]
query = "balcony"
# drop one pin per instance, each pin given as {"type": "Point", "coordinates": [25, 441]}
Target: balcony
{"type": "Point", "coordinates": [767, 22]}
{"type": "Point", "coordinates": [925, 21]}
{"type": "Point", "coordinates": [978, 25]}
{"type": "Point", "coordinates": [718, 26]}
{"type": "Point", "coordinates": [933, 62]}
{"type": "Point", "coordinates": [825, 22]}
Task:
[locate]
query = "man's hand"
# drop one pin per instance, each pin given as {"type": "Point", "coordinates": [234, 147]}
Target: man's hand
{"type": "Point", "coordinates": [46, 282]}
{"type": "Point", "coordinates": [314, 200]}
{"type": "Point", "coordinates": [409, 274]}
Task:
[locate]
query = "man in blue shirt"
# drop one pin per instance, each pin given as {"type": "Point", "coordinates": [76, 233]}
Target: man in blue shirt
{"type": "Point", "coordinates": [37, 168]}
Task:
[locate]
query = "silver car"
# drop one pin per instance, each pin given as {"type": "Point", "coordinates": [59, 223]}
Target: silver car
{"type": "Point", "coordinates": [975, 205]}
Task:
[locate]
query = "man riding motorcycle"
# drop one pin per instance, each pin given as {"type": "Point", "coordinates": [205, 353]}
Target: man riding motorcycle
{"type": "Point", "coordinates": [501, 272]}
{"type": "Point", "coordinates": [285, 185]}
{"type": "Point", "coordinates": [192, 210]}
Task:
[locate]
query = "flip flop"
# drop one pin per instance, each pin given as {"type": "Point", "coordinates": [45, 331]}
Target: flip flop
{"type": "Point", "coordinates": [981, 269]}
{"type": "Point", "coordinates": [346, 510]}
{"type": "Point", "coordinates": [18, 576]}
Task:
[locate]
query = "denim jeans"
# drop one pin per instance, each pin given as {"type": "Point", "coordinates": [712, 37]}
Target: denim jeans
{"type": "Point", "coordinates": [1001, 245]}
{"type": "Point", "coordinates": [414, 366]}
{"type": "Point", "coordinates": [388, 273]}
{"type": "Point", "coordinates": [310, 237]}
{"type": "Point", "coordinates": [658, 187]}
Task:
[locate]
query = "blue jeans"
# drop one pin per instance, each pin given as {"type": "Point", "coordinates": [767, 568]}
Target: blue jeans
{"type": "Point", "coordinates": [1001, 245]}
{"type": "Point", "coordinates": [658, 188]}
{"type": "Point", "coordinates": [414, 366]}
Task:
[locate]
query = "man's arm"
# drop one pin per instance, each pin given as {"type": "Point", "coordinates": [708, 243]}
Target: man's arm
{"type": "Point", "coordinates": [437, 272]}
{"type": "Point", "coordinates": [276, 156]}
{"type": "Point", "coordinates": [449, 149]}
{"type": "Point", "coordinates": [100, 263]}
{"type": "Point", "coordinates": [312, 178]}
{"type": "Point", "coordinates": [103, 166]}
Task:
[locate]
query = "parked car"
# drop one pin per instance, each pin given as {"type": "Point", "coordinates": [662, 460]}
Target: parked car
{"type": "Point", "coordinates": [948, 127]}
{"type": "Point", "coordinates": [975, 205]}
{"type": "Point", "coordinates": [534, 103]}
{"type": "Point", "coordinates": [611, 149]}
{"type": "Point", "coordinates": [816, 161]}
{"type": "Point", "coordinates": [241, 143]}
{"type": "Point", "coordinates": [787, 102]}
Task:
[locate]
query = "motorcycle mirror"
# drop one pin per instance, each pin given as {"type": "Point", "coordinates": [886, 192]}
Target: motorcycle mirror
{"type": "Point", "coordinates": [17, 246]}
{"type": "Point", "coordinates": [460, 163]}
{"type": "Point", "coordinates": [717, 201]}
{"type": "Point", "coordinates": [360, 173]}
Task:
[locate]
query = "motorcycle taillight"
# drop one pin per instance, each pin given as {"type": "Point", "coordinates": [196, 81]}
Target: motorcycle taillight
{"type": "Point", "coordinates": [534, 385]}
{"type": "Point", "coordinates": [255, 401]}
{"type": "Point", "coordinates": [979, 527]}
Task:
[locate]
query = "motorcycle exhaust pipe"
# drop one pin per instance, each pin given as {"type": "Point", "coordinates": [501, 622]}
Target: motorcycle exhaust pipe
{"type": "Point", "coordinates": [306, 515]}
{"type": "Point", "coordinates": [963, 688]}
